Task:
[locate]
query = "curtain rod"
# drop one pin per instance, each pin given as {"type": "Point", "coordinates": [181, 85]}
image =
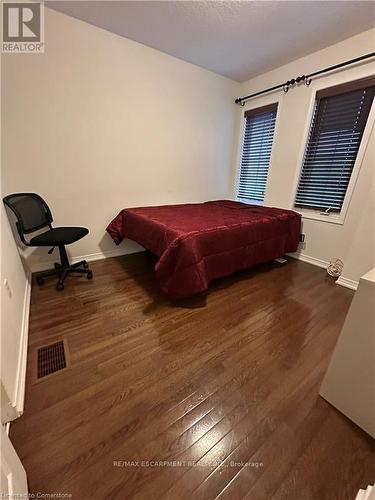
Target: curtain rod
{"type": "Point", "coordinates": [304, 78]}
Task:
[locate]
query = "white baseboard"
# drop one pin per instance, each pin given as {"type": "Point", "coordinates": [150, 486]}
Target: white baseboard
{"type": "Point", "coordinates": [18, 403]}
{"type": "Point", "coordinates": [117, 252]}
{"type": "Point", "coordinates": [310, 260]}
{"type": "Point", "coordinates": [347, 283]}
{"type": "Point", "coordinates": [342, 281]}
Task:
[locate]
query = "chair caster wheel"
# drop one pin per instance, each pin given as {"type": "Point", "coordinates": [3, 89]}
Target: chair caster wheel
{"type": "Point", "coordinates": [40, 280]}
{"type": "Point", "coordinates": [60, 286]}
{"type": "Point", "coordinates": [89, 275]}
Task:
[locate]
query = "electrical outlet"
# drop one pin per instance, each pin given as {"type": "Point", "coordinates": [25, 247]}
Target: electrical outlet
{"type": "Point", "coordinates": [8, 288]}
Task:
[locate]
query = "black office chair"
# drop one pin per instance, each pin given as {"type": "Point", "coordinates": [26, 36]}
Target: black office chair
{"type": "Point", "coordinates": [33, 214]}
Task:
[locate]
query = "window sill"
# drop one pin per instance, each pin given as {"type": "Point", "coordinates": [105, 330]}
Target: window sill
{"type": "Point", "coordinates": [331, 219]}
{"type": "Point", "coordinates": [250, 202]}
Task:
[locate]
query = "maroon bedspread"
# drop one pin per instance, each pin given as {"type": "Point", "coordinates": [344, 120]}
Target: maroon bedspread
{"type": "Point", "coordinates": [197, 243]}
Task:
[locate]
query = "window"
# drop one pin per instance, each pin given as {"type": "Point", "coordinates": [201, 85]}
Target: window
{"type": "Point", "coordinates": [256, 153]}
{"type": "Point", "coordinates": [339, 119]}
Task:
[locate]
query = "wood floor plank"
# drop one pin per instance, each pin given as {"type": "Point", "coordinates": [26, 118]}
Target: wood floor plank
{"type": "Point", "coordinates": [231, 375]}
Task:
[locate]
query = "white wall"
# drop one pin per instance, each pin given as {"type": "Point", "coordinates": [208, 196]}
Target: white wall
{"type": "Point", "coordinates": [14, 316]}
{"type": "Point", "coordinates": [99, 123]}
{"type": "Point", "coordinates": [354, 240]}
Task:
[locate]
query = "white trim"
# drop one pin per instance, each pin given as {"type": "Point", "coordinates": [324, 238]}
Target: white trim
{"type": "Point", "coordinates": [301, 155]}
{"type": "Point", "coordinates": [19, 398]}
{"type": "Point", "coordinates": [347, 283]}
{"type": "Point", "coordinates": [265, 101]}
{"type": "Point", "coordinates": [310, 260]}
{"type": "Point", "coordinates": [316, 214]}
{"type": "Point", "coordinates": [239, 156]}
{"type": "Point", "coordinates": [275, 134]}
{"type": "Point", "coordinates": [117, 252]}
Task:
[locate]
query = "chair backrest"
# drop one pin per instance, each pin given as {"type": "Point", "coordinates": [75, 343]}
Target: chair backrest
{"type": "Point", "coordinates": [31, 210]}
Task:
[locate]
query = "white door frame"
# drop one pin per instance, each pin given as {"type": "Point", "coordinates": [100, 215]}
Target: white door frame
{"type": "Point", "coordinates": [13, 474]}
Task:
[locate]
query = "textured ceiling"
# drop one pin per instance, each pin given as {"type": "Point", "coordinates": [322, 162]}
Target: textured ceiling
{"type": "Point", "coordinates": [234, 39]}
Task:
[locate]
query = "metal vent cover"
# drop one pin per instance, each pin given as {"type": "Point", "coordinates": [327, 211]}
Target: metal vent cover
{"type": "Point", "coordinates": [51, 359]}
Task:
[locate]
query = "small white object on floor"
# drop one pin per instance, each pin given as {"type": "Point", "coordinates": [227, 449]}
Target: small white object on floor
{"type": "Point", "coordinates": [280, 260]}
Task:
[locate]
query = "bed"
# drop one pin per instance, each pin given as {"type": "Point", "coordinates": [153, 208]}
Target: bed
{"type": "Point", "coordinates": [199, 242]}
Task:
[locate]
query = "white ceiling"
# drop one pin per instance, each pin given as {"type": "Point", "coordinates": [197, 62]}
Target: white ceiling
{"type": "Point", "coordinates": [238, 39]}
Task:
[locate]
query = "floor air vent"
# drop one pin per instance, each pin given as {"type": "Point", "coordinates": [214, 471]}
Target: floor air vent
{"type": "Point", "coordinates": [51, 359]}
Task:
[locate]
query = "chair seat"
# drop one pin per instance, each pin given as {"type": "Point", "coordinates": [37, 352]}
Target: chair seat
{"type": "Point", "coordinates": [59, 236]}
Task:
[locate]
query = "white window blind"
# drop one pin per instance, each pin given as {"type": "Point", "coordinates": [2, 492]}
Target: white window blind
{"type": "Point", "coordinates": [256, 153]}
{"type": "Point", "coordinates": [339, 119]}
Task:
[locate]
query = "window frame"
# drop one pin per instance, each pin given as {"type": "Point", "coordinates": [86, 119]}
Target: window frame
{"type": "Point", "coordinates": [254, 107]}
{"type": "Point", "coordinates": [333, 217]}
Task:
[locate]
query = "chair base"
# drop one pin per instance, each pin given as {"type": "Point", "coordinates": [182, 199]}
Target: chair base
{"type": "Point", "coordinates": [62, 270]}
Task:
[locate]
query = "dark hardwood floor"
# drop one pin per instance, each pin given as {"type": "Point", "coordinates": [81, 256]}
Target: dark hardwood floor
{"type": "Point", "coordinates": [218, 393]}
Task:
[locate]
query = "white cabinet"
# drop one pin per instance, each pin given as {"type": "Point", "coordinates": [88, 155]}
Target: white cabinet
{"type": "Point", "coordinates": [349, 383]}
